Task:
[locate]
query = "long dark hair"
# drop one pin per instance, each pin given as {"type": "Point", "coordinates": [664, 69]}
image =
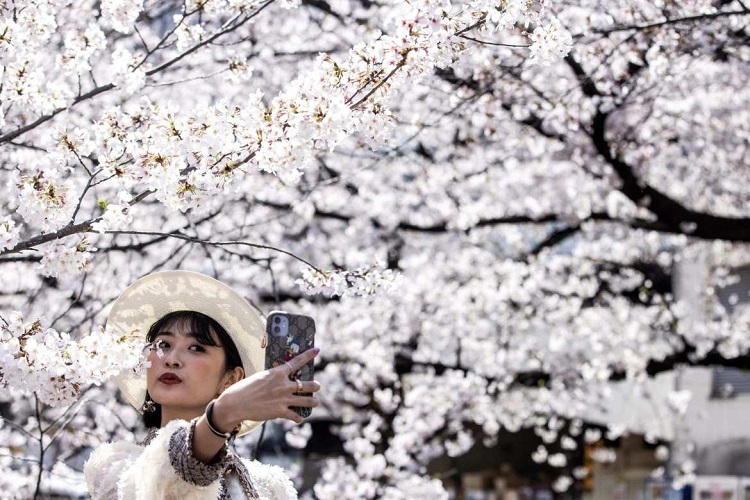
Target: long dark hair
{"type": "Point", "coordinates": [201, 326]}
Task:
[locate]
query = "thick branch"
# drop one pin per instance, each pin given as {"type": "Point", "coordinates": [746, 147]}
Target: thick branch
{"type": "Point", "coordinates": [672, 217]}
{"type": "Point", "coordinates": [22, 130]}
{"type": "Point", "coordinates": [443, 227]}
{"type": "Point", "coordinates": [69, 230]}
{"type": "Point", "coordinates": [676, 217]}
{"type": "Point", "coordinates": [588, 87]}
{"type": "Point", "coordinates": [687, 357]}
{"type": "Point", "coordinates": [555, 238]}
{"type": "Point", "coordinates": [405, 365]}
{"type": "Point", "coordinates": [46, 238]}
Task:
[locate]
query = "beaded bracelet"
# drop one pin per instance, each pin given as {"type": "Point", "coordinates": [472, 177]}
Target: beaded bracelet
{"type": "Point", "coordinates": [225, 435]}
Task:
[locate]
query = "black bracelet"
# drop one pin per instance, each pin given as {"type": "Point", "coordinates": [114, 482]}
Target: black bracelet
{"type": "Point", "coordinates": [209, 412]}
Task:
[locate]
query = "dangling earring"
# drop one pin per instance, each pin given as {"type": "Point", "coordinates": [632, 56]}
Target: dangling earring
{"type": "Point", "coordinates": [148, 406]}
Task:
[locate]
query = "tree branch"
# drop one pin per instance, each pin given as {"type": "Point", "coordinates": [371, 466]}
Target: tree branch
{"type": "Point", "coordinates": [201, 241]}
{"type": "Point", "coordinates": [105, 88]}
{"type": "Point", "coordinates": [676, 217]}
{"type": "Point", "coordinates": [554, 238]}
{"type": "Point", "coordinates": [588, 87]}
{"type": "Point", "coordinates": [666, 22]}
{"type": "Point", "coordinates": [68, 230]}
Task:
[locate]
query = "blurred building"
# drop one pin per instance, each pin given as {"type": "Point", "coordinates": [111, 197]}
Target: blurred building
{"type": "Point", "coordinates": [706, 443]}
{"type": "Point", "coordinates": [710, 442]}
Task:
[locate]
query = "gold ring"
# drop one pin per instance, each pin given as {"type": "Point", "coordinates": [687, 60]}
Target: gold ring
{"type": "Point", "coordinates": [299, 386]}
{"type": "Point", "coordinates": [291, 370]}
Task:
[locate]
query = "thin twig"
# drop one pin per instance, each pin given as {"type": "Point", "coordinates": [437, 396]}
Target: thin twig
{"type": "Point", "coordinates": [697, 17]}
{"type": "Point", "coordinates": [62, 427]}
{"type": "Point", "coordinates": [80, 198]}
{"type": "Point", "coordinates": [22, 459]}
{"type": "Point", "coordinates": [15, 425]}
{"type": "Point", "coordinates": [208, 40]}
{"type": "Point", "coordinates": [38, 414]}
{"type": "Point", "coordinates": [192, 239]}
{"type": "Point", "coordinates": [497, 44]}
{"type": "Point", "coordinates": [469, 28]}
{"type": "Point", "coordinates": [381, 83]}
{"type": "Point", "coordinates": [143, 40]}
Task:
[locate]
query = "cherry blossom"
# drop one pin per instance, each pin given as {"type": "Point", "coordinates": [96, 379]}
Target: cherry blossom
{"type": "Point", "coordinates": [53, 366]}
{"type": "Point", "coordinates": [492, 202]}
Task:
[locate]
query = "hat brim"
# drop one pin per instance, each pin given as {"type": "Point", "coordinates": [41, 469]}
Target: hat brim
{"type": "Point", "coordinates": [155, 295]}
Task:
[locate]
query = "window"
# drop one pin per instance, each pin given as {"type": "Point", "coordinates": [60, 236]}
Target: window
{"type": "Point", "coordinates": [730, 382]}
{"type": "Point", "coordinates": [736, 293]}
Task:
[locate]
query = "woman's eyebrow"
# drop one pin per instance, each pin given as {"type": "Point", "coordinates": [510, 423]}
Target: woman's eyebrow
{"type": "Point", "coordinates": [167, 333]}
{"type": "Point", "coordinates": [196, 336]}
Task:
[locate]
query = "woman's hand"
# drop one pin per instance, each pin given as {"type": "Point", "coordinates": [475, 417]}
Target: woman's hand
{"type": "Point", "coordinates": [266, 395]}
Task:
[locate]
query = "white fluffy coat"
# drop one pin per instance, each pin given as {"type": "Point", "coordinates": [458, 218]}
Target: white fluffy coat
{"type": "Point", "coordinates": [127, 471]}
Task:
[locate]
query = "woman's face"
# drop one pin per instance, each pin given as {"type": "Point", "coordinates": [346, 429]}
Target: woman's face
{"type": "Point", "coordinates": [185, 374]}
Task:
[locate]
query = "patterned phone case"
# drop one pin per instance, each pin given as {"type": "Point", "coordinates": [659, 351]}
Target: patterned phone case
{"type": "Point", "coordinates": [300, 337]}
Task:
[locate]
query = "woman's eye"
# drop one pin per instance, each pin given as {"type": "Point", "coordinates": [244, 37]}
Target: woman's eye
{"type": "Point", "coordinates": [161, 344]}
{"type": "Point", "coordinates": [197, 348]}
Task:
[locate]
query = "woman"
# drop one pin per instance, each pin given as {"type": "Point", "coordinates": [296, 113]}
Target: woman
{"type": "Point", "coordinates": [205, 384]}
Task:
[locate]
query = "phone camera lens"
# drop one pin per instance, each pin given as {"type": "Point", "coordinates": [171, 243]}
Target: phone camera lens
{"type": "Point", "coordinates": [276, 329]}
{"type": "Point", "coordinates": [277, 320]}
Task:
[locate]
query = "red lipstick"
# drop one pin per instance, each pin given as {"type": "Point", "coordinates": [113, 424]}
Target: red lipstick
{"type": "Point", "coordinates": [169, 379]}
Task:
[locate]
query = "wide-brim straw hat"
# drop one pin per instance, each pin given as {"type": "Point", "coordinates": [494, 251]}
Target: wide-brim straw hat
{"type": "Point", "coordinates": [155, 295]}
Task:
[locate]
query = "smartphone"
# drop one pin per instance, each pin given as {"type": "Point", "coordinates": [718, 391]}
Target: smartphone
{"type": "Point", "coordinates": [288, 336]}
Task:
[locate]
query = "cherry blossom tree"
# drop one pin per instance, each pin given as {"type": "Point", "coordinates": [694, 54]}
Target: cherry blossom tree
{"type": "Point", "coordinates": [481, 204]}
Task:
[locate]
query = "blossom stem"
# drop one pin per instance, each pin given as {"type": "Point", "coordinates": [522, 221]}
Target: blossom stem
{"type": "Point", "coordinates": [382, 82]}
{"type": "Point", "coordinates": [496, 44]}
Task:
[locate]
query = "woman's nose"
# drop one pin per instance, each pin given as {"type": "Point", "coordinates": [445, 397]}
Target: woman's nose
{"type": "Point", "coordinates": [171, 358]}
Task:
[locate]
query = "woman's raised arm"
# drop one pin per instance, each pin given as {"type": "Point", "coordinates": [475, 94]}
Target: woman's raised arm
{"type": "Point", "coordinates": [265, 395]}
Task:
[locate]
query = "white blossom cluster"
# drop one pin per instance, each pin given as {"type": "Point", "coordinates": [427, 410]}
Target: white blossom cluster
{"type": "Point", "coordinates": [298, 435]}
{"type": "Point", "coordinates": [187, 34]}
{"type": "Point", "coordinates": [121, 14]}
{"type": "Point", "coordinates": [8, 234]}
{"type": "Point", "coordinates": [24, 34]}
{"type": "Point", "coordinates": [549, 43]}
{"type": "Point", "coordinates": [340, 478]}
{"type": "Point", "coordinates": [80, 47]}
{"type": "Point", "coordinates": [45, 199]}
{"type": "Point", "coordinates": [127, 72]}
{"type": "Point", "coordinates": [316, 111]}
{"type": "Point", "coordinates": [67, 257]}
{"type": "Point", "coordinates": [363, 281]}
{"type": "Point", "coordinates": [73, 144]}
{"type": "Point", "coordinates": [338, 98]}
{"type": "Point", "coordinates": [507, 14]}
{"type": "Point", "coordinates": [526, 275]}
{"type": "Point", "coordinates": [187, 158]}
{"type": "Point", "coordinates": [432, 419]}
{"type": "Point", "coordinates": [562, 483]}
{"type": "Point", "coordinates": [116, 215]}
{"type": "Point", "coordinates": [55, 367]}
